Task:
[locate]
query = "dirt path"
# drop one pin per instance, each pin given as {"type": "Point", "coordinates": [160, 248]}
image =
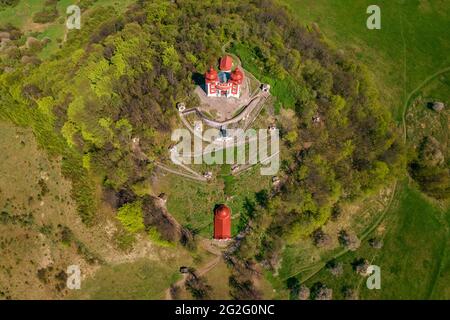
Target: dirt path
{"type": "Point", "coordinates": [182, 174]}
{"type": "Point", "coordinates": [207, 246]}
{"type": "Point", "coordinates": [254, 102]}
{"type": "Point", "coordinates": [200, 272]}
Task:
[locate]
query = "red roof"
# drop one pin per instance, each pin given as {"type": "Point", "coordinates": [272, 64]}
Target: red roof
{"type": "Point", "coordinates": [211, 75]}
{"type": "Point", "coordinates": [226, 63]}
{"type": "Point", "coordinates": [237, 75]}
{"type": "Point", "coordinates": [222, 222]}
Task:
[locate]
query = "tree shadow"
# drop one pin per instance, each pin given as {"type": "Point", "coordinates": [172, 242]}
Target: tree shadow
{"type": "Point", "coordinates": [199, 80]}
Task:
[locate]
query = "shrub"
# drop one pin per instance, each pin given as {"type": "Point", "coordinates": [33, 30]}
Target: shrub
{"type": "Point", "coordinates": [320, 291]}
{"type": "Point", "coordinates": [130, 215]}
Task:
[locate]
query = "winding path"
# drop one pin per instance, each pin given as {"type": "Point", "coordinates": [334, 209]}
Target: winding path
{"type": "Point", "coordinates": [253, 103]}
{"type": "Point", "coordinates": [194, 176]}
{"type": "Point", "coordinates": [206, 245]}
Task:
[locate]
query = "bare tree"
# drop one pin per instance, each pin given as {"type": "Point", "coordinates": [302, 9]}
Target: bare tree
{"type": "Point", "coordinates": [320, 238]}
{"type": "Point", "coordinates": [304, 292]}
{"type": "Point", "coordinates": [335, 268]}
{"type": "Point", "coordinates": [321, 292]}
{"type": "Point", "coordinates": [350, 293]}
{"type": "Point", "coordinates": [198, 286]}
{"type": "Point", "coordinates": [242, 288]}
{"type": "Point", "coordinates": [376, 243]}
{"type": "Point", "coordinates": [361, 266]}
{"type": "Point", "coordinates": [349, 240]}
{"type": "Point", "coordinates": [175, 292]}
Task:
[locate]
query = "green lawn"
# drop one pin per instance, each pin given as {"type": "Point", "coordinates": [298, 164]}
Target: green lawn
{"type": "Point", "coordinates": [440, 288]}
{"type": "Point", "coordinates": [411, 45]}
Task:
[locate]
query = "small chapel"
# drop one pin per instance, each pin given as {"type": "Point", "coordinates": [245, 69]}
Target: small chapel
{"type": "Point", "coordinates": [225, 83]}
{"type": "Point", "coordinates": [222, 222]}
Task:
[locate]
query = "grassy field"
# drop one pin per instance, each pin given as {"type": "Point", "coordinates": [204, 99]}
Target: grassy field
{"type": "Point", "coordinates": [21, 15]}
{"type": "Point", "coordinates": [142, 280]}
{"type": "Point", "coordinates": [418, 234]}
{"type": "Point", "coordinates": [440, 288]}
{"type": "Point", "coordinates": [414, 259]}
{"type": "Point", "coordinates": [36, 206]}
{"type": "Point", "coordinates": [411, 45]}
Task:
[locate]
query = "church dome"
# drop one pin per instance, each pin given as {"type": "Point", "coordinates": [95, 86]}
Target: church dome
{"type": "Point", "coordinates": [237, 75]}
{"type": "Point", "coordinates": [222, 211]}
{"type": "Point", "coordinates": [226, 63]}
{"type": "Point", "coordinates": [211, 74]}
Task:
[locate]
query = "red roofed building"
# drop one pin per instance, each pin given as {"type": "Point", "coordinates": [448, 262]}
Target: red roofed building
{"type": "Point", "coordinates": [225, 83]}
{"type": "Point", "coordinates": [237, 76]}
{"type": "Point", "coordinates": [226, 63]}
{"type": "Point", "coordinates": [222, 222]}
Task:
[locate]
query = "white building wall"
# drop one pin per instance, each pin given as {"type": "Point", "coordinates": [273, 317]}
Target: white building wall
{"type": "Point", "coordinates": [217, 93]}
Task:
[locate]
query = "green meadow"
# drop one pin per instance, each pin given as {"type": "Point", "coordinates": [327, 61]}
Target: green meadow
{"type": "Point", "coordinates": [414, 260]}
{"type": "Point", "coordinates": [411, 45]}
{"type": "Point", "coordinates": [416, 243]}
{"type": "Point", "coordinates": [21, 14]}
{"type": "Point", "coordinates": [142, 280]}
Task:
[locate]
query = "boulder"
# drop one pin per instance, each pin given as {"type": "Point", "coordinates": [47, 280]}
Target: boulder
{"type": "Point", "coordinates": [438, 106]}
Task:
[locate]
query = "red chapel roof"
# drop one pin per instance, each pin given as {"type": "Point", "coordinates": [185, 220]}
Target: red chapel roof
{"type": "Point", "coordinates": [211, 74]}
{"type": "Point", "coordinates": [222, 222]}
{"type": "Point", "coordinates": [222, 211]}
{"type": "Point", "coordinates": [237, 75]}
{"type": "Point", "coordinates": [226, 63]}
